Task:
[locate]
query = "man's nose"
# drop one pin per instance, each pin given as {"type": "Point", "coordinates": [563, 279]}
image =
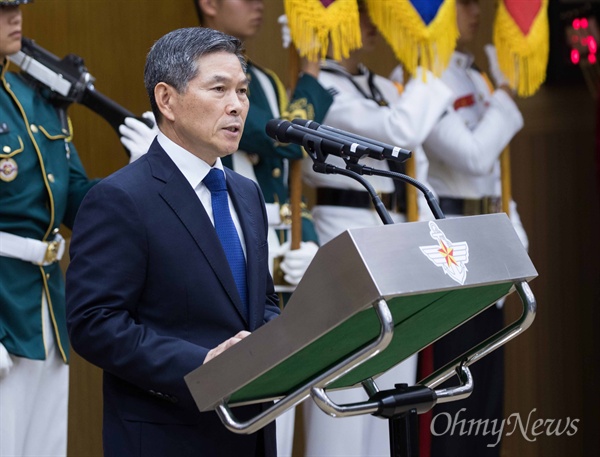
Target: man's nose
{"type": "Point", "coordinates": [234, 104]}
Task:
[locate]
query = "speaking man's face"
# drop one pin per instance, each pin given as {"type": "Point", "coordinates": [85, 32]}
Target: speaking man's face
{"type": "Point", "coordinates": [209, 116]}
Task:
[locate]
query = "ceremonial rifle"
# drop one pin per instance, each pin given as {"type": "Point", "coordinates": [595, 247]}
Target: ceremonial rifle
{"type": "Point", "coordinates": [69, 82]}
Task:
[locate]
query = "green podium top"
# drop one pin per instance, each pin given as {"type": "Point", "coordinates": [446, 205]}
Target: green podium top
{"type": "Point", "coordinates": [433, 275]}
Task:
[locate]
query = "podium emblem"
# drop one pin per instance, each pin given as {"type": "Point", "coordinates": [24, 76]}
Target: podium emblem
{"type": "Point", "coordinates": [451, 257]}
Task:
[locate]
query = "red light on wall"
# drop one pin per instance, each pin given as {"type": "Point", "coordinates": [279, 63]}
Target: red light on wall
{"type": "Point", "coordinates": [582, 38]}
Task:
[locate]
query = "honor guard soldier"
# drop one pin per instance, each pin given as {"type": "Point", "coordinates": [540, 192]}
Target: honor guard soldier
{"type": "Point", "coordinates": [464, 171]}
{"type": "Point", "coordinates": [373, 106]}
{"type": "Point", "coordinates": [42, 183]}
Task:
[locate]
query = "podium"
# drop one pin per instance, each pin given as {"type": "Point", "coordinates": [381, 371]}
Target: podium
{"type": "Point", "coordinates": [371, 298]}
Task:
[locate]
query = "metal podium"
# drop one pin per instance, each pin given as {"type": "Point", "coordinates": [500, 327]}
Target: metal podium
{"type": "Point", "coordinates": [371, 298]}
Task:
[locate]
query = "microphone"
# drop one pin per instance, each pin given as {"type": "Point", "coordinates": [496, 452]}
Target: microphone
{"type": "Point", "coordinates": [286, 132]}
{"type": "Point", "coordinates": [388, 152]}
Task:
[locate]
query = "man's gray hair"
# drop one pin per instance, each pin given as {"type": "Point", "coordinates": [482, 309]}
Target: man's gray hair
{"type": "Point", "coordinates": [173, 59]}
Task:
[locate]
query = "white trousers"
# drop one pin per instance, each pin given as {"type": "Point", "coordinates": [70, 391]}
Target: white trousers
{"type": "Point", "coordinates": [285, 433]}
{"type": "Point", "coordinates": [33, 402]}
{"type": "Point", "coordinates": [359, 436]}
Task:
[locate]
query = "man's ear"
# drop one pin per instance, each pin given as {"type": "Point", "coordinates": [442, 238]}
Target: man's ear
{"type": "Point", "coordinates": [208, 7]}
{"type": "Point", "coordinates": [165, 96]}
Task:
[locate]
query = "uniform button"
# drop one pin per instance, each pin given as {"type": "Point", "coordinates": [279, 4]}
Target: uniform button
{"type": "Point", "coordinates": [47, 275]}
{"type": "Point", "coordinates": [33, 128]}
{"type": "Point", "coordinates": [51, 177]}
{"type": "Point", "coordinates": [276, 172]}
{"type": "Point", "coordinates": [6, 149]}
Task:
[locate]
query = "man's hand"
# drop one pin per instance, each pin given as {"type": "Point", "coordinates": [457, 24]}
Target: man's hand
{"type": "Point", "coordinates": [494, 67]}
{"type": "Point", "coordinates": [286, 36]}
{"type": "Point", "coordinates": [296, 261]}
{"type": "Point", "coordinates": [311, 67]}
{"type": "Point", "coordinates": [137, 136]}
{"type": "Point", "coordinates": [6, 362]}
{"type": "Point", "coordinates": [226, 345]}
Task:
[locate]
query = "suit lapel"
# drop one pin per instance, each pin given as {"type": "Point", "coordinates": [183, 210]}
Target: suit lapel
{"type": "Point", "coordinates": [184, 202]}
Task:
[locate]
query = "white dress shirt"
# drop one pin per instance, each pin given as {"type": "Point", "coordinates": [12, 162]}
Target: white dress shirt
{"type": "Point", "coordinates": [195, 170]}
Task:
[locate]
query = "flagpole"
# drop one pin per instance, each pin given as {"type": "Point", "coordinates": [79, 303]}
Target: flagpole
{"type": "Point", "coordinates": [506, 181]}
{"type": "Point", "coordinates": [295, 179]}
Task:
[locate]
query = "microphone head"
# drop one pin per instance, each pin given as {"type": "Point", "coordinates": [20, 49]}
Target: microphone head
{"type": "Point", "coordinates": [306, 123]}
{"type": "Point", "coordinates": [277, 129]}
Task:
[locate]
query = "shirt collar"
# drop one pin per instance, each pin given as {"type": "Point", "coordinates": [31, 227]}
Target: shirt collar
{"type": "Point", "coordinates": [462, 60]}
{"type": "Point", "coordinates": [330, 64]}
{"type": "Point", "coordinates": [193, 168]}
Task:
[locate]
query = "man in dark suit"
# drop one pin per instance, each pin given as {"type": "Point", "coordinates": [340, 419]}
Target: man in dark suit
{"type": "Point", "coordinates": [152, 290]}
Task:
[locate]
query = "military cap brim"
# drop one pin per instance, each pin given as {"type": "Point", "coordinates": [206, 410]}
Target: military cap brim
{"type": "Point", "coordinates": [14, 2]}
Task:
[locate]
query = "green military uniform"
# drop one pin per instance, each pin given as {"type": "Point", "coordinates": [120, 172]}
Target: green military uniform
{"type": "Point", "coordinates": [42, 183]}
{"type": "Point", "coordinates": [309, 101]}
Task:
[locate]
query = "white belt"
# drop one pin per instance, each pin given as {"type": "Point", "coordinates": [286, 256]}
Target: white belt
{"type": "Point", "coordinates": [30, 250]}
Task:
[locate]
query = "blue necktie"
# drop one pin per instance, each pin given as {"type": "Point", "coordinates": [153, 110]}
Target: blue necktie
{"type": "Point", "coordinates": [215, 182]}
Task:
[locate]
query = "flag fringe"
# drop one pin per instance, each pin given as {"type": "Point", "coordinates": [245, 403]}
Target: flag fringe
{"type": "Point", "coordinates": [313, 27]}
{"type": "Point", "coordinates": [523, 59]}
{"type": "Point", "coordinates": [413, 42]}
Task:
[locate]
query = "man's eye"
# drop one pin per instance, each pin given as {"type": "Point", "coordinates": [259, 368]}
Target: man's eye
{"type": "Point", "coordinates": [243, 91]}
{"type": "Point", "coordinates": [219, 89]}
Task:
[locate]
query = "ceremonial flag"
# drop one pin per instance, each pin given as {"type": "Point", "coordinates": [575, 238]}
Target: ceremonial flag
{"type": "Point", "coordinates": [521, 37]}
{"type": "Point", "coordinates": [315, 23]}
{"type": "Point", "coordinates": [420, 32]}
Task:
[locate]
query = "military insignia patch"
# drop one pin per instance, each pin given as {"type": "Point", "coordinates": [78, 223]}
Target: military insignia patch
{"type": "Point", "coordinates": [8, 170]}
{"type": "Point", "coordinates": [451, 257]}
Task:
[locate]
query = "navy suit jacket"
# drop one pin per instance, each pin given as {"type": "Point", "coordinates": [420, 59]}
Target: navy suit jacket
{"type": "Point", "coordinates": [150, 292]}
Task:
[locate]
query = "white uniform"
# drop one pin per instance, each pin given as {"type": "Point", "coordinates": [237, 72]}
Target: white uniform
{"type": "Point", "coordinates": [464, 170]}
{"type": "Point", "coordinates": [25, 427]}
{"type": "Point", "coordinates": [464, 148]}
{"type": "Point", "coordinates": [404, 122]}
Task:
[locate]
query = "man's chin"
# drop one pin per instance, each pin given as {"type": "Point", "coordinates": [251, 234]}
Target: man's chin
{"type": "Point", "coordinates": [230, 150]}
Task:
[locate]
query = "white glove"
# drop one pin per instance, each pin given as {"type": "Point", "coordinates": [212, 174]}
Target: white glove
{"type": "Point", "coordinates": [494, 67]}
{"type": "Point", "coordinates": [286, 36]}
{"type": "Point", "coordinates": [6, 362]}
{"type": "Point", "coordinates": [137, 136]}
{"type": "Point", "coordinates": [296, 261]}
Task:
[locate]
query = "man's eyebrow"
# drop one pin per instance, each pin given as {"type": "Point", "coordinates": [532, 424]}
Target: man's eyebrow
{"type": "Point", "coordinates": [226, 79]}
